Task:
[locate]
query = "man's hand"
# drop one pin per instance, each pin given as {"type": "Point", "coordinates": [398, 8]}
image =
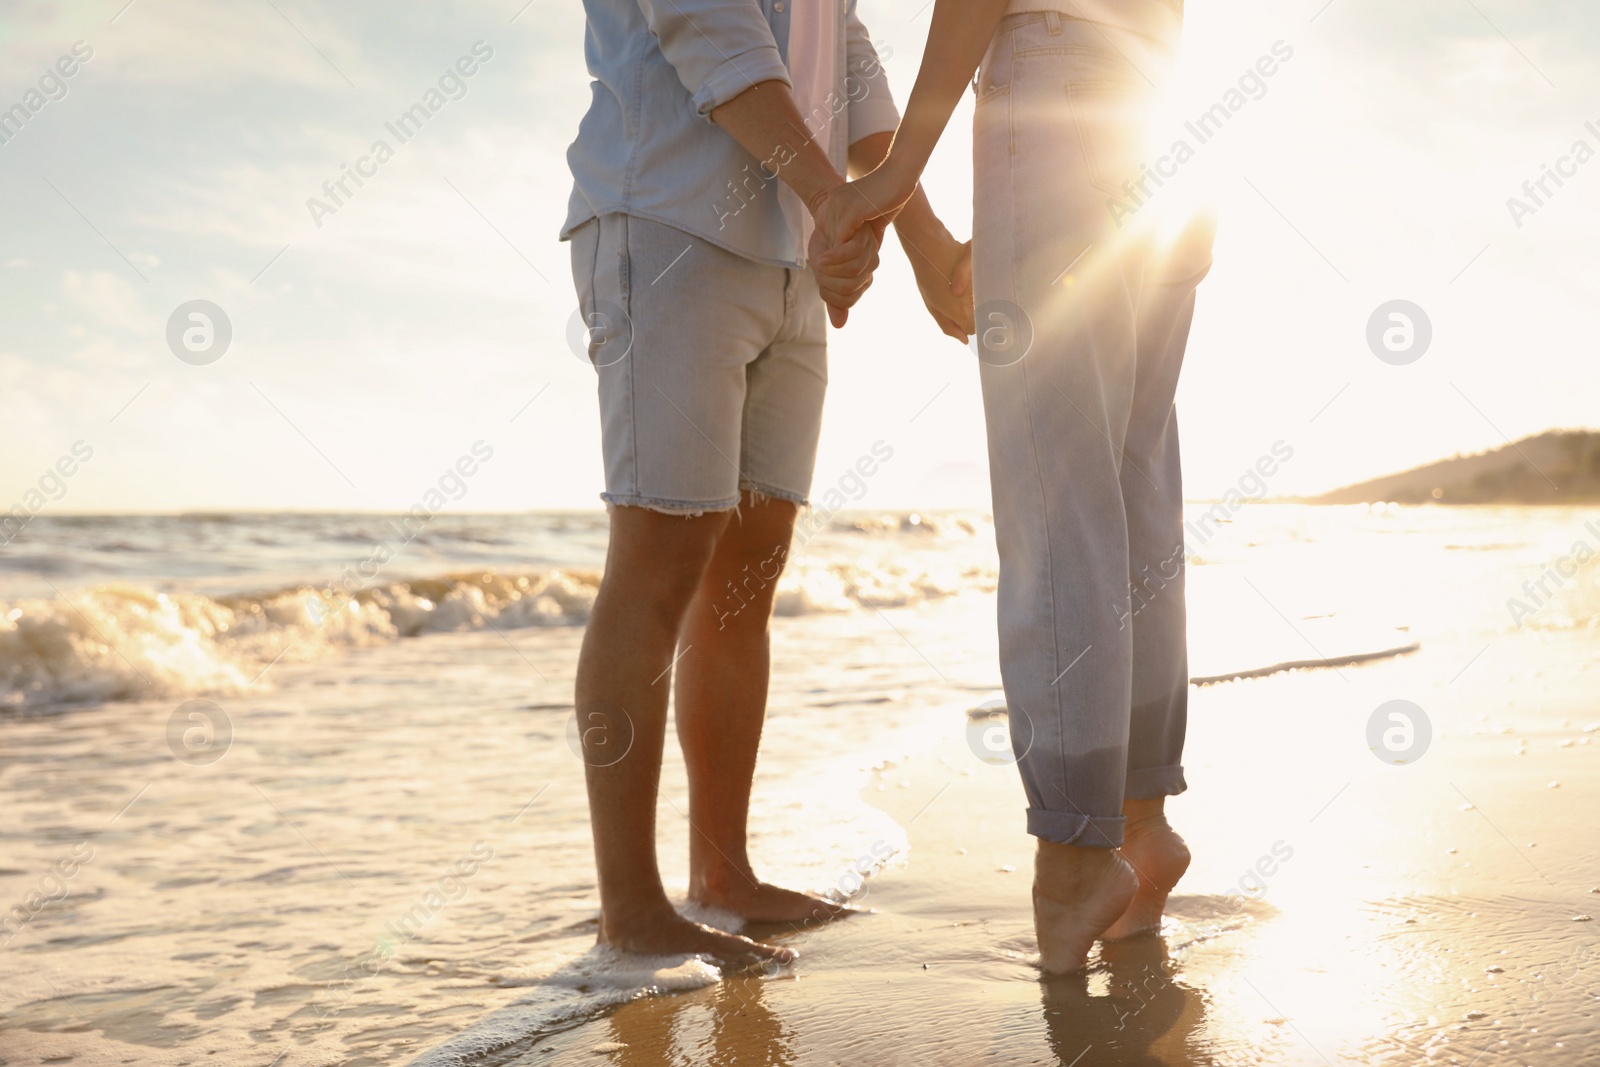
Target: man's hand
{"type": "Point", "coordinates": [843, 263]}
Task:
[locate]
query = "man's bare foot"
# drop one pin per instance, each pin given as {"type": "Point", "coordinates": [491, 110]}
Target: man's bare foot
{"type": "Point", "coordinates": [1077, 893]}
{"type": "Point", "coordinates": [1159, 857]}
{"type": "Point", "coordinates": [666, 933]}
{"type": "Point", "coordinates": [758, 902]}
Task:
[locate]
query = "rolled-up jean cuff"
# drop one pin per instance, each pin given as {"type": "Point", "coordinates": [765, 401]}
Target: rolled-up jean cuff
{"type": "Point", "coordinates": [1147, 783]}
{"type": "Point", "coordinates": [774, 492]}
{"type": "Point", "coordinates": [1071, 828]}
{"type": "Point", "coordinates": [687, 508]}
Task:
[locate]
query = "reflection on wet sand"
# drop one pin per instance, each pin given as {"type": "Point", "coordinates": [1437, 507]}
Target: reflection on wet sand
{"type": "Point", "coordinates": [727, 1025]}
{"type": "Point", "coordinates": [1144, 1019]}
{"type": "Point", "coordinates": [1129, 1011]}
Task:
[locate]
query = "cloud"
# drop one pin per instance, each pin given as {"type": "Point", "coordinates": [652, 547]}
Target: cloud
{"type": "Point", "coordinates": [111, 300]}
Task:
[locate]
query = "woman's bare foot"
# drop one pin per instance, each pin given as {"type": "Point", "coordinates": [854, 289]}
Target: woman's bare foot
{"type": "Point", "coordinates": [666, 933]}
{"type": "Point", "coordinates": [1077, 893]}
{"type": "Point", "coordinates": [1158, 856]}
{"type": "Point", "coordinates": [759, 902]}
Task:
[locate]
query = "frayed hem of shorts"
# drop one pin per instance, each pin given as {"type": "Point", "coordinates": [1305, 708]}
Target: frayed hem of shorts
{"type": "Point", "coordinates": [688, 509]}
{"type": "Point", "coordinates": [759, 493]}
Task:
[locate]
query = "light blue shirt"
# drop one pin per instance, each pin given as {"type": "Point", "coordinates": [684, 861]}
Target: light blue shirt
{"type": "Point", "coordinates": [648, 147]}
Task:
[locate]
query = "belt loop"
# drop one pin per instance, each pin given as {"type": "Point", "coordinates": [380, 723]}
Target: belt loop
{"type": "Point", "coordinates": [1052, 22]}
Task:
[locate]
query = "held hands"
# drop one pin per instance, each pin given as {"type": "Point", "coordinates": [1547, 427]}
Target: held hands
{"type": "Point", "coordinates": [845, 219]}
{"type": "Point", "coordinates": [843, 262]}
{"type": "Point", "coordinates": [850, 215]}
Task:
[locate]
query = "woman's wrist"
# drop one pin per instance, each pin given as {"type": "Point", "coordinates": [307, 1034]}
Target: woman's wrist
{"type": "Point", "coordinates": [901, 172]}
{"type": "Point", "coordinates": [817, 190]}
{"type": "Point", "coordinates": [917, 225]}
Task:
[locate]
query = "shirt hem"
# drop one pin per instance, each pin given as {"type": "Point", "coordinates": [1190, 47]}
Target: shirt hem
{"type": "Point", "coordinates": [678, 224]}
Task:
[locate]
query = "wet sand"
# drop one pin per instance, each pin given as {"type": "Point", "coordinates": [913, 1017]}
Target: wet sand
{"type": "Point", "coordinates": [1341, 909]}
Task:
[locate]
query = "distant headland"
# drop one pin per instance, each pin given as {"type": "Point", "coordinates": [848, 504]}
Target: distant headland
{"type": "Point", "coordinates": [1555, 467]}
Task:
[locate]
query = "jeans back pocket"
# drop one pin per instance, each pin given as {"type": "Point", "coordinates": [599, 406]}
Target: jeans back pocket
{"type": "Point", "coordinates": [1109, 120]}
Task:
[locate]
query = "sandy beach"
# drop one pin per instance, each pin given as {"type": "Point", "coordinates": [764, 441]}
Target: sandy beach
{"type": "Point", "coordinates": [1341, 910]}
{"type": "Point", "coordinates": [386, 858]}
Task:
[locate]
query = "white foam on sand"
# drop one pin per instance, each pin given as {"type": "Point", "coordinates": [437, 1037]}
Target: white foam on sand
{"type": "Point", "coordinates": [604, 968]}
{"type": "Point", "coordinates": [581, 989]}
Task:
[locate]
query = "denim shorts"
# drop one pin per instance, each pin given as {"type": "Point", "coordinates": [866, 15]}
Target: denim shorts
{"type": "Point", "coordinates": [712, 367]}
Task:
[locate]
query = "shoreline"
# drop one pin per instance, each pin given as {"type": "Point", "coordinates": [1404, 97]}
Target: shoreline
{"type": "Point", "coordinates": [1380, 948]}
{"type": "Point", "coordinates": [263, 880]}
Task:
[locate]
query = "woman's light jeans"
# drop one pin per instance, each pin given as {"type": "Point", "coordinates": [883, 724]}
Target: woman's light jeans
{"type": "Point", "coordinates": [1082, 321]}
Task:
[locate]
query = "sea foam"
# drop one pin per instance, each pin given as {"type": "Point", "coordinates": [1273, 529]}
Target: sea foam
{"type": "Point", "coordinates": [126, 641]}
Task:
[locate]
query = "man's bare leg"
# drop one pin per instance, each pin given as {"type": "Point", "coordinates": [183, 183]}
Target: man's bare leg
{"type": "Point", "coordinates": [721, 705]}
{"type": "Point", "coordinates": [1159, 857]}
{"type": "Point", "coordinates": [653, 566]}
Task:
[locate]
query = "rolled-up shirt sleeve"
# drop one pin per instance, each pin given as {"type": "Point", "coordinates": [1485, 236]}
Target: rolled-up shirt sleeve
{"type": "Point", "coordinates": [872, 107]}
{"type": "Point", "coordinates": [719, 48]}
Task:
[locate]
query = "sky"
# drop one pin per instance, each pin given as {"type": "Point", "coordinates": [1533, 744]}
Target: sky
{"type": "Point", "coordinates": [375, 344]}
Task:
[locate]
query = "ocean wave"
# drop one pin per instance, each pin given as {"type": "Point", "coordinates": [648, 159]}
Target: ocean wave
{"type": "Point", "coordinates": [816, 589]}
{"type": "Point", "coordinates": [125, 641]}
